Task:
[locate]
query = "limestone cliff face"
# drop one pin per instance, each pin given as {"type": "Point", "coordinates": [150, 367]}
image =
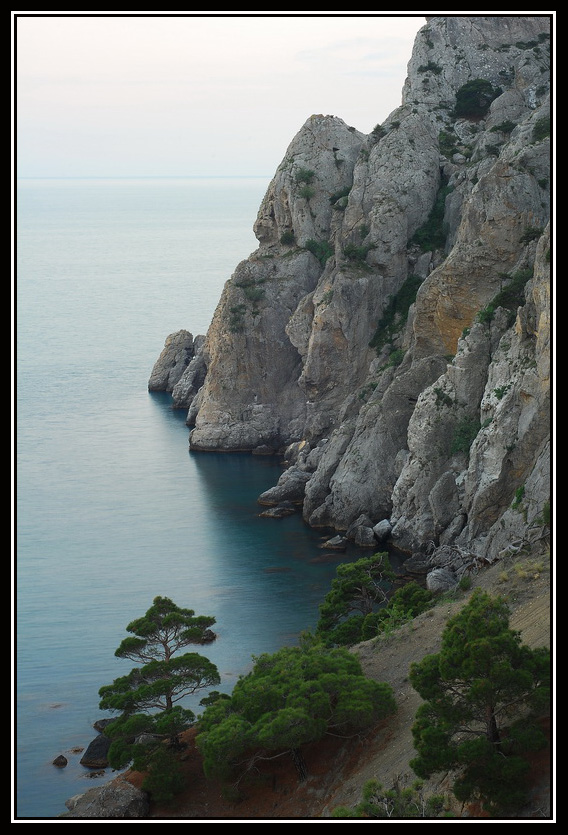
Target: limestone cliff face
{"type": "Point", "coordinates": [391, 332]}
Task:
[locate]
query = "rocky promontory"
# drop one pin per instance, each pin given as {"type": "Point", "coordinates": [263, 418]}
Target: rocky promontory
{"type": "Point", "coordinates": [390, 337]}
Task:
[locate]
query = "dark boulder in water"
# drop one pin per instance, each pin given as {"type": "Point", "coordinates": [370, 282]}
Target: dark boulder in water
{"type": "Point", "coordinates": [96, 755]}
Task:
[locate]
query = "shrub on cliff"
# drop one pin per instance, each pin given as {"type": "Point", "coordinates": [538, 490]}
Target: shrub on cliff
{"type": "Point", "coordinates": [432, 234]}
{"type": "Point", "coordinates": [321, 249]}
{"type": "Point", "coordinates": [358, 606]}
{"type": "Point", "coordinates": [474, 98]}
{"type": "Point", "coordinates": [400, 801]}
{"type": "Point", "coordinates": [395, 314]}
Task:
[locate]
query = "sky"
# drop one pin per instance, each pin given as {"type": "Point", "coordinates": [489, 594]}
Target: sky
{"type": "Point", "coordinates": [151, 94]}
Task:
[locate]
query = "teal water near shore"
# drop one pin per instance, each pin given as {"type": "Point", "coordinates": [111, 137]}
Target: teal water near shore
{"type": "Point", "coordinates": [112, 508]}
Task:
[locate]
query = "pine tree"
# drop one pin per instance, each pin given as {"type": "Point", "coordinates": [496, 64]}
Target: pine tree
{"type": "Point", "coordinates": [482, 692]}
{"type": "Point", "coordinates": [148, 698]}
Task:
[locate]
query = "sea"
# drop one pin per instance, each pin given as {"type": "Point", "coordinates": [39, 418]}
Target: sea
{"type": "Point", "coordinates": [111, 508]}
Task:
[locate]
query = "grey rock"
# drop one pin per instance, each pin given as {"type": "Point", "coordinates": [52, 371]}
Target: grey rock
{"type": "Point", "coordinates": [118, 799]}
{"type": "Point", "coordinates": [382, 530]}
{"type": "Point", "coordinates": [364, 537]}
{"type": "Point", "coordinates": [148, 739]}
{"type": "Point", "coordinates": [441, 580]}
{"type": "Point", "coordinates": [453, 530]}
{"type": "Point", "coordinates": [444, 501]}
{"type": "Point", "coordinates": [362, 521]}
{"type": "Point", "coordinates": [361, 532]}
{"type": "Point", "coordinates": [280, 511]}
{"type": "Point", "coordinates": [291, 487]}
{"type": "Point", "coordinates": [417, 565]}
{"type": "Point", "coordinates": [175, 357]}
{"type": "Point", "coordinates": [336, 543]}
{"type": "Point", "coordinates": [296, 452]}
{"type": "Point", "coordinates": [101, 724]}
{"type": "Point", "coordinates": [264, 449]}
{"type": "Point", "coordinates": [192, 378]}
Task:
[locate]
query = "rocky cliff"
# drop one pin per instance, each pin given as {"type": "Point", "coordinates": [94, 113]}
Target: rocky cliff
{"type": "Point", "coordinates": [391, 334]}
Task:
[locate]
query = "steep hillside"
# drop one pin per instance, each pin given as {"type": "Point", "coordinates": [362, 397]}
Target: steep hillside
{"type": "Point", "coordinates": [338, 768]}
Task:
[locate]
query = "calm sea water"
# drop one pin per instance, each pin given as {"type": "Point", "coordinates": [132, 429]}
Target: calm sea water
{"type": "Point", "coordinates": [111, 507]}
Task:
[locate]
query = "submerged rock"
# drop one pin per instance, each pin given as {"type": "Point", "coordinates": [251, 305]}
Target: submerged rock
{"type": "Point", "coordinates": [280, 511]}
{"type": "Point", "coordinates": [336, 543]}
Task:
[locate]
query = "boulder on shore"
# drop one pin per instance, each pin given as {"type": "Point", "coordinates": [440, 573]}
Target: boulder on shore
{"type": "Point", "coordinates": [117, 799]}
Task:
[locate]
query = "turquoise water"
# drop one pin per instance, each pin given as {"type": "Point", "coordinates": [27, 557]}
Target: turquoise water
{"type": "Point", "coordinates": [111, 507]}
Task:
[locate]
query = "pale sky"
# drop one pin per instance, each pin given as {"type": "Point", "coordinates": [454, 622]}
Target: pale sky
{"type": "Point", "coordinates": [120, 94]}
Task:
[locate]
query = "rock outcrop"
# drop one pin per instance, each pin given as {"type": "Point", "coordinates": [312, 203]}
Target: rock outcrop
{"type": "Point", "coordinates": [391, 333]}
{"type": "Point", "coordinates": [118, 799]}
{"type": "Point", "coordinates": [178, 351]}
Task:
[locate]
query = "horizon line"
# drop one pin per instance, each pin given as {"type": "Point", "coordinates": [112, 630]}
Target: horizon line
{"type": "Point", "coordinates": [144, 177]}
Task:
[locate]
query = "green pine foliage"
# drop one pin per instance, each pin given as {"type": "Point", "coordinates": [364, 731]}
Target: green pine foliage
{"type": "Point", "coordinates": [357, 589]}
{"type": "Point", "coordinates": [512, 294]}
{"type": "Point", "coordinates": [290, 698]}
{"type": "Point", "coordinates": [481, 694]}
{"type": "Point", "coordinates": [164, 777]}
{"type": "Point", "coordinates": [358, 608]}
{"type": "Point", "coordinates": [465, 433]}
{"type": "Point", "coordinates": [147, 698]}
